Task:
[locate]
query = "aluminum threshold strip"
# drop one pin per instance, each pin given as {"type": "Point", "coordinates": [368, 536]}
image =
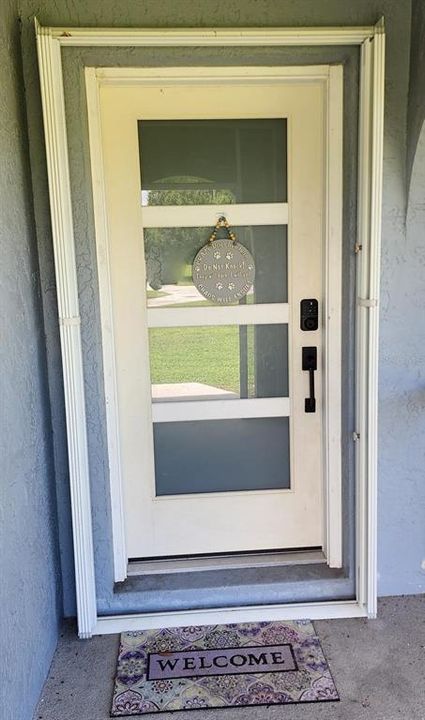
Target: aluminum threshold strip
{"type": "Point", "coordinates": [224, 562]}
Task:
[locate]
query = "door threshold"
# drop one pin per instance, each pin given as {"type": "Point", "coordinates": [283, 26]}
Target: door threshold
{"type": "Point", "coordinates": [224, 562]}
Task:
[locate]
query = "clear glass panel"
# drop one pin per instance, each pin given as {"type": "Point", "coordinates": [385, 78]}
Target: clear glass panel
{"type": "Point", "coordinates": [221, 455]}
{"type": "Point", "coordinates": [204, 162]}
{"type": "Point", "coordinates": [219, 362]}
{"type": "Point", "coordinates": [170, 252]}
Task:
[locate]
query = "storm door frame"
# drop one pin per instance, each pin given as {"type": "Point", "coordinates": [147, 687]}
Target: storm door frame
{"type": "Point", "coordinates": [367, 247]}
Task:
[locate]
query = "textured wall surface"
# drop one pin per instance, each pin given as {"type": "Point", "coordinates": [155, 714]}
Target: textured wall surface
{"type": "Point", "coordinates": [401, 550]}
{"type": "Point", "coordinates": [29, 580]}
{"type": "Point", "coordinates": [402, 527]}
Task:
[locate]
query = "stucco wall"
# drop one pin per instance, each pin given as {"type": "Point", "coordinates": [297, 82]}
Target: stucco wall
{"type": "Point", "coordinates": [30, 597]}
{"type": "Point", "coordinates": [400, 461]}
{"type": "Point", "coordinates": [403, 521]}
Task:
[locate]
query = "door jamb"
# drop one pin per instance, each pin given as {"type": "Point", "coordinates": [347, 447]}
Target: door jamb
{"type": "Point", "coordinates": [372, 44]}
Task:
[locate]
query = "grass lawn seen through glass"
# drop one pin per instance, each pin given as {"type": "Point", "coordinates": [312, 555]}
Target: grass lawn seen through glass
{"type": "Point", "coordinates": [209, 355]}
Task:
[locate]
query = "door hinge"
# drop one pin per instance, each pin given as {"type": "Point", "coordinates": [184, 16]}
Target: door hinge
{"type": "Point", "coordinates": [367, 302]}
{"type": "Point", "coordinates": [357, 247]}
{"type": "Point", "coordinates": [69, 321]}
{"type": "Point", "coordinates": [356, 436]}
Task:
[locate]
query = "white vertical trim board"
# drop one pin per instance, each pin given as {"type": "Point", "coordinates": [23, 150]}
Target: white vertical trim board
{"type": "Point", "coordinates": [332, 311]}
{"type": "Point", "coordinates": [69, 319]}
{"type": "Point", "coordinates": [108, 345]}
{"type": "Point", "coordinates": [367, 312]}
{"type": "Point", "coordinates": [378, 85]}
{"type": "Point", "coordinates": [362, 289]}
{"type": "Point", "coordinates": [372, 42]}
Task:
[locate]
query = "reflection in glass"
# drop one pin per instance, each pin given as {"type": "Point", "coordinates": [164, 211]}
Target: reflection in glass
{"type": "Point", "coordinates": [169, 254]}
{"type": "Point", "coordinates": [221, 455]}
{"type": "Point", "coordinates": [219, 362]}
{"type": "Point", "coordinates": [204, 162]}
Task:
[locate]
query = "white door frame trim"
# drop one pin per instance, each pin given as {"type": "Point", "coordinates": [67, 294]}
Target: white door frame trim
{"type": "Point", "coordinates": [372, 42]}
{"type": "Point", "coordinates": [330, 78]}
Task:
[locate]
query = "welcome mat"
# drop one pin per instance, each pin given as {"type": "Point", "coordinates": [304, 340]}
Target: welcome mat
{"type": "Point", "coordinates": [217, 666]}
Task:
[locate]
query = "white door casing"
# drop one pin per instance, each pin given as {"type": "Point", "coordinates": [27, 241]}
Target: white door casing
{"type": "Point", "coordinates": [206, 523]}
{"type": "Point", "coordinates": [371, 40]}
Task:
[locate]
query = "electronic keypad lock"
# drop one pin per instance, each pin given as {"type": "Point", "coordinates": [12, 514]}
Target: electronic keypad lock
{"type": "Point", "coordinates": [309, 315]}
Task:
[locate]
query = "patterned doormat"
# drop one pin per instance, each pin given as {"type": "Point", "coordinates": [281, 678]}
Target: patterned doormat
{"type": "Point", "coordinates": [218, 666]}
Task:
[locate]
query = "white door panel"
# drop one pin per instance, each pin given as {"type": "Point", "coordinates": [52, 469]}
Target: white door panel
{"type": "Point", "coordinates": [225, 521]}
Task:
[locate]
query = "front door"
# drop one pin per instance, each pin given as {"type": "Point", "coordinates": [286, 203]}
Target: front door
{"type": "Point", "coordinates": [221, 404]}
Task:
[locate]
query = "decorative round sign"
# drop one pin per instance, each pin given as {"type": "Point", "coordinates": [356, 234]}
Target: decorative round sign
{"type": "Point", "coordinates": [223, 271]}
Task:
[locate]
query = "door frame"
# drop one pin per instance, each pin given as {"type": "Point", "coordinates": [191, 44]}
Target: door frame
{"type": "Point", "coordinates": [372, 44]}
{"type": "Point", "coordinates": [330, 78]}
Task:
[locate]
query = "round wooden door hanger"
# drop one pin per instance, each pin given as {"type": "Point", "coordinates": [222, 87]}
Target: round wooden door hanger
{"type": "Point", "coordinates": [223, 270]}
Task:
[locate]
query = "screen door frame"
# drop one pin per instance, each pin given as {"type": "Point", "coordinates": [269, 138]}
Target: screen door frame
{"type": "Point", "coordinates": [372, 44]}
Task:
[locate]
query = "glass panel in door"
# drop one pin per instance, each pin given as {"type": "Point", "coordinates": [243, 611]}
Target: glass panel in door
{"type": "Point", "coordinates": [169, 254]}
{"type": "Point", "coordinates": [221, 362]}
{"type": "Point", "coordinates": [210, 456]}
{"type": "Point", "coordinates": [197, 163]}
{"type": "Point", "coordinates": [210, 162]}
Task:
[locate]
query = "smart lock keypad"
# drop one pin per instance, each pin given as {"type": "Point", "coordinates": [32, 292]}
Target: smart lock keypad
{"type": "Point", "coordinates": [309, 315]}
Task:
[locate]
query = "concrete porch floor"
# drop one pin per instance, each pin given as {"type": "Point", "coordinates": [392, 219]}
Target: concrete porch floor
{"type": "Point", "coordinates": [378, 667]}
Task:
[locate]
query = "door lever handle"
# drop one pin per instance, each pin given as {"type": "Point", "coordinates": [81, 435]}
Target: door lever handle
{"type": "Point", "coordinates": [309, 363]}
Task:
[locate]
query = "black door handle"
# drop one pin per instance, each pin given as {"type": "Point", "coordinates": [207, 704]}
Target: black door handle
{"type": "Point", "coordinates": [309, 362]}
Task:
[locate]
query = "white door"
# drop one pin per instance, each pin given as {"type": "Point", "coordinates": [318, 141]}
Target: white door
{"type": "Point", "coordinates": [218, 452]}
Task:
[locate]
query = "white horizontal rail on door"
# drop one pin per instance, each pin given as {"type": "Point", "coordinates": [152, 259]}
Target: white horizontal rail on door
{"type": "Point", "coordinates": [175, 216]}
{"type": "Point", "coordinates": [220, 409]}
{"type": "Point", "coordinates": [266, 314]}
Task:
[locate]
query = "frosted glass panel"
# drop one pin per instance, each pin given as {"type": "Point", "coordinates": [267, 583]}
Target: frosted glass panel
{"type": "Point", "coordinates": [204, 162]}
{"type": "Point", "coordinates": [221, 455]}
{"type": "Point", "coordinates": [219, 362]}
{"type": "Point", "coordinates": [169, 254]}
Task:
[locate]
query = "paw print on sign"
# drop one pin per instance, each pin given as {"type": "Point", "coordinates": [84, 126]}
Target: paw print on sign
{"type": "Point", "coordinates": [219, 286]}
{"type": "Point", "coordinates": [217, 255]}
{"type": "Point", "coordinates": [231, 286]}
{"type": "Point", "coordinates": [229, 255]}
